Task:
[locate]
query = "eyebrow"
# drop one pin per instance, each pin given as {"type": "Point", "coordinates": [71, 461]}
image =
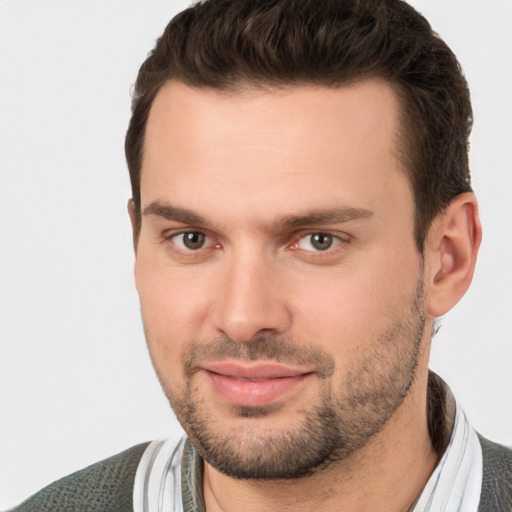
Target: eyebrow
{"type": "Point", "coordinates": [327, 216]}
{"type": "Point", "coordinates": [170, 212]}
{"type": "Point", "coordinates": [309, 218]}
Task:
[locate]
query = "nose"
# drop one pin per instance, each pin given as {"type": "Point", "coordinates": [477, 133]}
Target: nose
{"type": "Point", "coordinates": [251, 300]}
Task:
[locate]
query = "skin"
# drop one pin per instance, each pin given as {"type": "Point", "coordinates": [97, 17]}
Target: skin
{"type": "Point", "coordinates": [235, 167]}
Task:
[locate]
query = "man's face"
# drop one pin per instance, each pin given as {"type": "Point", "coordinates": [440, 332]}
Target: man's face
{"type": "Point", "coordinates": [280, 286]}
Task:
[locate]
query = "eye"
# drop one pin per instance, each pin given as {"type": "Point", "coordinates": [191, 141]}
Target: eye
{"type": "Point", "coordinates": [318, 242]}
{"type": "Point", "coordinates": [191, 240]}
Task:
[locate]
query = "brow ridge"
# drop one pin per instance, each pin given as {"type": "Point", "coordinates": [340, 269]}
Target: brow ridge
{"type": "Point", "coordinates": [327, 216]}
{"type": "Point", "coordinates": [309, 218]}
{"type": "Point", "coordinates": [169, 212]}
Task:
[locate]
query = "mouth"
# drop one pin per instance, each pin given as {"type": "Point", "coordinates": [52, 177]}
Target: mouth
{"type": "Point", "coordinates": [253, 385]}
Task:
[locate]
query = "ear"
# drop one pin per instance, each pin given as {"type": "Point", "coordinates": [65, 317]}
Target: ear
{"type": "Point", "coordinates": [451, 249]}
{"type": "Point", "coordinates": [133, 220]}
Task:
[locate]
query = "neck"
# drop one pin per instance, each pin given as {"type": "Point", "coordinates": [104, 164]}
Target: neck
{"type": "Point", "coordinates": [385, 475]}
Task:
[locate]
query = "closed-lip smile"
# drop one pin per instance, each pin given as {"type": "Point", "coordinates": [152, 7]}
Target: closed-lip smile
{"type": "Point", "coordinates": [254, 384]}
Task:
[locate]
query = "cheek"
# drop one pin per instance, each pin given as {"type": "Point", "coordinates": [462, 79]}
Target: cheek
{"type": "Point", "coordinates": [171, 311]}
{"type": "Point", "coordinates": [346, 311]}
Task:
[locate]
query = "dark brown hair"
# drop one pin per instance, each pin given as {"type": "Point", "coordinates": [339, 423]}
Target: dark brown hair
{"type": "Point", "coordinates": [231, 44]}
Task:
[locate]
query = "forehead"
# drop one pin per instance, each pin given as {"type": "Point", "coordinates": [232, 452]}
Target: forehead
{"type": "Point", "coordinates": [321, 144]}
{"type": "Point", "coordinates": [303, 110]}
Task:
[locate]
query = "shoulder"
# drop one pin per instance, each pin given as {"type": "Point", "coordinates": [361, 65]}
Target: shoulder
{"type": "Point", "coordinates": [497, 477]}
{"type": "Point", "coordinates": [104, 486]}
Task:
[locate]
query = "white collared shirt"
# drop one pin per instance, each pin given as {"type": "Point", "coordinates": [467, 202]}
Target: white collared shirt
{"type": "Point", "coordinates": [456, 483]}
{"type": "Point", "coordinates": [454, 486]}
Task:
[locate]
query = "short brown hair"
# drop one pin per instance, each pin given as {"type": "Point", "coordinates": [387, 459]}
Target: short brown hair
{"type": "Point", "coordinates": [228, 44]}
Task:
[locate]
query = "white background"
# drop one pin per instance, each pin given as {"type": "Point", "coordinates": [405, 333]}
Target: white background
{"type": "Point", "coordinates": [76, 383]}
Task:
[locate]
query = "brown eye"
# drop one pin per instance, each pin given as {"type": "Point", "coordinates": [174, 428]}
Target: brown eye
{"type": "Point", "coordinates": [191, 240]}
{"type": "Point", "coordinates": [317, 242]}
{"type": "Point", "coordinates": [321, 241]}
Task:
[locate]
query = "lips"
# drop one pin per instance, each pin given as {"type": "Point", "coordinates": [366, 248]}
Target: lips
{"type": "Point", "coordinates": [253, 385]}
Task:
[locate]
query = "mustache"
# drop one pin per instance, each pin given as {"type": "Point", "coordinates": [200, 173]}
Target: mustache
{"type": "Point", "coordinates": [280, 349]}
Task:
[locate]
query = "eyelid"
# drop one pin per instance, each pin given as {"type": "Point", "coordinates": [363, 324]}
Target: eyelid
{"type": "Point", "coordinates": [341, 240]}
{"type": "Point", "coordinates": [172, 235]}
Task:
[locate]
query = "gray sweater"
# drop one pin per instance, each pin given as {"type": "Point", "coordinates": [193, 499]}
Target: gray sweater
{"type": "Point", "coordinates": [108, 485]}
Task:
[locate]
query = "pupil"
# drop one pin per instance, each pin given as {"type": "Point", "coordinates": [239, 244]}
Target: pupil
{"type": "Point", "coordinates": [321, 241]}
{"type": "Point", "coordinates": [193, 240]}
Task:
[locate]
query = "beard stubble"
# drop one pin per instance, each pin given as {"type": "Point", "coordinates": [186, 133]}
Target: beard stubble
{"type": "Point", "coordinates": [341, 422]}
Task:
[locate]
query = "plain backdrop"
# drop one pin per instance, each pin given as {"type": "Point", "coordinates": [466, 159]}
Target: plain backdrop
{"type": "Point", "coordinates": [76, 382]}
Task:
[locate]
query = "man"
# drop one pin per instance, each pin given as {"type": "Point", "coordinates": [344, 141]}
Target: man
{"type": "Point", "coordinates": [302, 213]}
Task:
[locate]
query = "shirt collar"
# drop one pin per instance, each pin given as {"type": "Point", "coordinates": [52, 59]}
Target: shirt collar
{"type": "Point", "coordinates": [170, 475]}
{"type": "Point", "coordinates": [456, 482]}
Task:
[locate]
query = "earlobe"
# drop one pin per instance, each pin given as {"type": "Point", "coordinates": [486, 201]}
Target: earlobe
{"type": "Point", "coordinates": [451, 250]}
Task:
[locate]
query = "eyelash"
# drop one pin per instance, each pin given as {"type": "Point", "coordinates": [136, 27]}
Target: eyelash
{"type": "Point", "coordinates": [172, 237]}
{"type": "Point", "coordinates": [338, 242]}
{"type": "Point", "coordinates": [335, 241]}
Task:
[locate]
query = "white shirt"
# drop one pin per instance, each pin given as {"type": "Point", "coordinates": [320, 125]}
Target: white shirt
{"type": "Point", "coordinates": [454, 486]}
{"type": "Point", "coordinates": [456, 483]}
